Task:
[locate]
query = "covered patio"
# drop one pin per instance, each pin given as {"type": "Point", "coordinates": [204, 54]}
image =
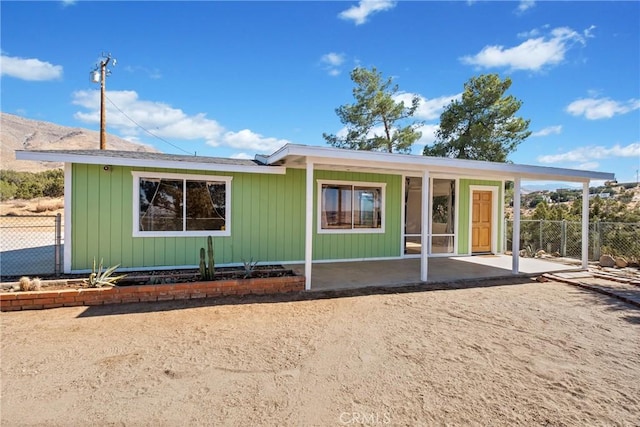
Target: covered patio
{"type": "Point", "coordinates": [361, 274]}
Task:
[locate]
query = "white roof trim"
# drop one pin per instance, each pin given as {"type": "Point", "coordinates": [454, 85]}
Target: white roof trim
{"type": "Point", "coordinates": [407, 162]}
{"type": "Point", "coordinates": [156, 163]}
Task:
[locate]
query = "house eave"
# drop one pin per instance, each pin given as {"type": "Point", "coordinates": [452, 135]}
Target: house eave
{"type": "Point", "coordinates": [66, 157]}
{"type": "Point", "coordinates": [296, 156]}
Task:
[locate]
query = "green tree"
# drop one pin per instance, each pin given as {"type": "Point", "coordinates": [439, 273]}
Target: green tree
{"type": "Point", "coordinates": [28, 185]}
{"type": "Point", "coordinates": [7, 190]}
{"type": "Point", "coordinates": [376, 121]}
{"type": "Point", "coordinates": [482, 125]}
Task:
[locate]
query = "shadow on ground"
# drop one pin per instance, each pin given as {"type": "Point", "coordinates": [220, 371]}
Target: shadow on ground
{"type": "Point", "coordinates": [147, 307]}
{"type": "Point", "coordinates": [611, 303]}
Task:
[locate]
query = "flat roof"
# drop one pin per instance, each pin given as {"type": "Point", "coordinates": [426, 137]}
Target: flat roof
{"type": "Point", "coordinates": [148, 159]}
{"type": "Point", "coordinates": [297, 156]}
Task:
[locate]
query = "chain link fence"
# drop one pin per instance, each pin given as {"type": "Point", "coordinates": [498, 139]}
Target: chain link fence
{"type": "Point", "coordinates": [30, 245]}
{"type": "Point", "coordinates": [564, 238]}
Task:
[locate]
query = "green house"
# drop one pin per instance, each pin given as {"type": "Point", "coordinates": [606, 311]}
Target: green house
{"type": "Point", "coordinates": [301, 204]}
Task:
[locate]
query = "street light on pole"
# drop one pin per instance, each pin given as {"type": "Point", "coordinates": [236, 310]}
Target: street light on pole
{"type": "Point", "coordinates": [101, 77]}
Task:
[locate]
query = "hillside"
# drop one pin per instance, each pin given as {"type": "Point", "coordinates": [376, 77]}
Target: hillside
{"type": "Point", "coordinates": [18, 133]}
{"type": "Point", "coordinates": [617, 198]}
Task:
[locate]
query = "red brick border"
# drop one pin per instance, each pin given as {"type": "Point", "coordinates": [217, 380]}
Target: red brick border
{"type": "Point", "coordinates": [37, 300]}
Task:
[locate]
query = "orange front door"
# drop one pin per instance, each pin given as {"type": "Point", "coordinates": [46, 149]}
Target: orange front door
{"type": "Point", "coordinates": [481, 221]}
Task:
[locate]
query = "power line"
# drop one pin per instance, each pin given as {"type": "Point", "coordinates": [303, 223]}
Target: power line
{"type": "Point", "coordinates": [147, 131]}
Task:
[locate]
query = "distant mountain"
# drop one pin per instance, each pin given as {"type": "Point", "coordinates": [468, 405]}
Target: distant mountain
{"type": "Point", "coordinates": [18, 133]}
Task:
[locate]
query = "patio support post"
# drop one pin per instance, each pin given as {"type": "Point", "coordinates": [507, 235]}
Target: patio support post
{"type": "Point", "coordinates": [308, 240]}
{"type": "Point", "coordinates": [585, 225]}
{"type": "Point", "coordinates": [424, 238]}
{"type": "Point", "coordinates": [515, 238]}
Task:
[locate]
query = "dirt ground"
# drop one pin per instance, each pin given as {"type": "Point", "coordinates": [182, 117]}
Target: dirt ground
{"type": "Point", "coordinates": [521, 353]}
{"type": "Point", "coordinates": [37, 206]}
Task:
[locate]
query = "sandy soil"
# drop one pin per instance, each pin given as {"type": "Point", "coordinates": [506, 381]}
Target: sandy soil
{"type": "Point", "coordinates": [526, 354]}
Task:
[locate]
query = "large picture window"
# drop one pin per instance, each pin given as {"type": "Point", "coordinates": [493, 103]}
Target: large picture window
{"type": "Point", "coordinates": [180, 205]}
{"type": "Point", "coordinates": [350, 207]}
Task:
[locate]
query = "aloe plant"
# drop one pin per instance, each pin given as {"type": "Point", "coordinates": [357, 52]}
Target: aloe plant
{"type": "Point", "coordinates": [99, 278]}
{"type": "Point", "coordinates": [249, 267]}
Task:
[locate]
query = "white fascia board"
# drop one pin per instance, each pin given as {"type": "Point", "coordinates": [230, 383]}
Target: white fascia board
{"type": "Point", "coordinates": [338, 156]}
{"type": "Point", "coordinates": [499, 173]}
{"type": "Point", "coordinates": [154, 163]}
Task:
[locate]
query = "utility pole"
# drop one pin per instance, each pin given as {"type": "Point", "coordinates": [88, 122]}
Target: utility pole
{"type": "Point", "coordinates": [101, 78]}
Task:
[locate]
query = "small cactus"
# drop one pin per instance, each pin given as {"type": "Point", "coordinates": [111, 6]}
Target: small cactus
{"type": "Point", "coordinates": [207, 271]}
{"type": "Point", "coordinates": [25, 284]}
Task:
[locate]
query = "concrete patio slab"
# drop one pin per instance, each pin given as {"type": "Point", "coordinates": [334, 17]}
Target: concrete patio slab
{"type": "Point", "coordinates": [348, 275]}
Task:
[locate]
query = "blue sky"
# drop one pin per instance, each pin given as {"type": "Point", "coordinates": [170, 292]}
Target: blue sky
{"type": "Point", "coordinates": [233, 79]}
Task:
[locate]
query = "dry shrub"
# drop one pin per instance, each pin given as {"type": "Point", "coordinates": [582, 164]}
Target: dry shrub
{"type": "Point", "coordinates": [36, 284]}
{"type": "Point", "coordinates": [25, 284]}
{"type": "Point", "coordinates": [45, 207]}
{"type": "Point", "coordinates": [40, 208]}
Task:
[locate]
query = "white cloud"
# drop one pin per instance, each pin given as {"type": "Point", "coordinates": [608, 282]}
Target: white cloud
{"type": "Point", "coordinates": [525, 5]}
{"type": "Point", "coordinates": [588, 165]}
{"type": "Point", "coordinates": [428, 135]}
{"type": "Point", "coordinates": [333, 59]}
{"type": "Point", "coordinates": [243, 156]}
{"type": "Point", "coordinates": [66, 3]}
{"type": "Point", "coordinates": [29, 69]}
{"type": "Point", "coordinates": [549, 130]}
{"type": "Point", "coordinates": [361, 12]}
{"type": "Point", "coordinates": [246, 139]}
{"type": "Point", "coordinates": [332, 62]}
{"type": "Point", "coordinates": [428, 109]}
{"type": "Point", "coordinates": [533, 54]}
{"type": "Point", "coordinates": [166, 122]}
{"type": "Point", "coordinates": [601, 108]}
{"type": "Point", "coordinates": [587, 154]}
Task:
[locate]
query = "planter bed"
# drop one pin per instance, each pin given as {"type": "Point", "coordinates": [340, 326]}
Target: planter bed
{"type": "Point", "coordinates": [68, 293]}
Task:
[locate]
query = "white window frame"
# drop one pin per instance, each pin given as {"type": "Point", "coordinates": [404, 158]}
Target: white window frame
{"type": "Point", "coordinates": [456, 214]}
{"type": "Point", "coordinates": [381, 185]}
{"type": "Point", "coordinates": [184, 177]}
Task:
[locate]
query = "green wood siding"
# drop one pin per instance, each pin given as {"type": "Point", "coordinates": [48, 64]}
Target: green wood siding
{"type": "Point", "coordinates": [362, 245]}
{"type": "Point", "coordinates": [464, 212]}
{"type": "Point", "coordinates": [267, 223]}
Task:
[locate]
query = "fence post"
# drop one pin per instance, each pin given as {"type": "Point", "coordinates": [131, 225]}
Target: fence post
{"type": "Point", "coordinates": [540, 246]}
{"type": "Point", "coordinates": [563, 239]}
{"type": "Point", "coordinates": [58, 245]}
{"type": "Point", "coordinates": [596, 240]}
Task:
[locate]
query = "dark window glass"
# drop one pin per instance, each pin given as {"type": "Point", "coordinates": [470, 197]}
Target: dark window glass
{"type": "Point", "coordinates": [161, 204]}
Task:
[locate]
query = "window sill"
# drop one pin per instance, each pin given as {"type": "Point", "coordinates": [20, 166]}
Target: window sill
{"type": "Point", "coordinates": [352, 231]}
{"type": "Point", "coordinates": [199, 233]}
